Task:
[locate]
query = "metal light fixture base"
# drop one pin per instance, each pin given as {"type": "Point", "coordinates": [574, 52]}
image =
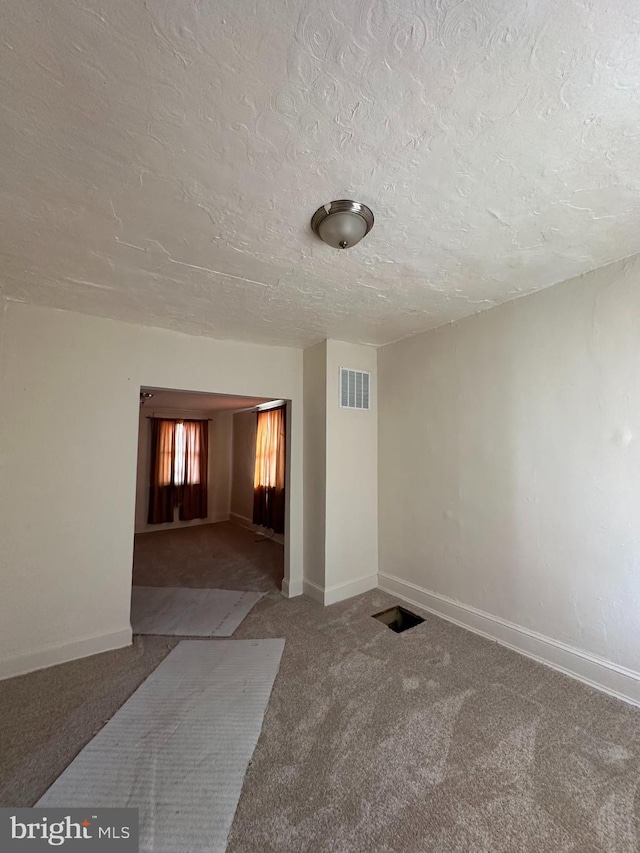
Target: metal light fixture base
{"type": "Point", "coordinates": [342, 206]}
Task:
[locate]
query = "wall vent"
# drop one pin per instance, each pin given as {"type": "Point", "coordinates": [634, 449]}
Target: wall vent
{"type": "Point", "coordinates": [354, 389]}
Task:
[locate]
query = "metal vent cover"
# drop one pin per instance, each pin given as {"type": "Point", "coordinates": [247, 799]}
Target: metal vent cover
{"type": "Point", "coordinates": [355, 388]}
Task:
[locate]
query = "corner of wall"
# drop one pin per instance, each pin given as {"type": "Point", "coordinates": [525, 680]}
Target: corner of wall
{"type": "Point", "coordinates": [340, 591]}
{"type": "Point", "coordinates": [314, 464]}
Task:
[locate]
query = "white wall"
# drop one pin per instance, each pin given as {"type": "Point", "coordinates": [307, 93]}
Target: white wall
{"type": "Point", "coordinates": [352, 479]}
{"type": "Point", "coordinates": [68, 469]}
{"type": "Point", "coordinates": [509, 482]}
{"type": "Point", "coordinates": [220, 446]}
{"type": "Point", "coordinates": [341, 475]}
{"type": "Point", "coordinates": [315, 466]}
{"type": "Point", "coordinates": [243, 466]}
{"type": "Point", "coordinates": [142, 473]}
{"type": "Point", "coordinates": [219, 473]}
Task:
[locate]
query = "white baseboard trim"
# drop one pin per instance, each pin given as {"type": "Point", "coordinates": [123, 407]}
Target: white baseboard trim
{"type": "Point", "coordinates": [20, 665]}
{"type": "Point", "coordinates": [291, 589]}
{"type": "Point", "coordinates": [243, 521]}
{"type": "Point", "coordinates": [340, 591]}
{"type": "Point", "coordinates": [312, 590]}
{"type": "Point", "coordinates": [597, 672]}
{"type": "Point", "coordinates": [180, 525]}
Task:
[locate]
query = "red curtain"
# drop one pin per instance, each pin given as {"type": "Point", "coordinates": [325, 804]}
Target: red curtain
{"type": "Point", "coordinates": [269, 477]}
{"type": "Point", "coordinates": [161, 489]}
{"type": "Point", "coordinates": [179, 466]}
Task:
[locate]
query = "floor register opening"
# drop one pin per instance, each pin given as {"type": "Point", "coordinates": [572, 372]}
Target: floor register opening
{"type": "Point", "coordinates": [398, 619]}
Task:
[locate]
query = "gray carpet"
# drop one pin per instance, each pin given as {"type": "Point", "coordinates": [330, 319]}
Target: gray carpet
{"type": "Point", "coordinates": [220, 556]}
{"type": "Point", "coordinates": [432, 740]}
{"type": "Point", "coordinates": [179, 748]}
{"type": "Point", "coordinates": [46, 717]}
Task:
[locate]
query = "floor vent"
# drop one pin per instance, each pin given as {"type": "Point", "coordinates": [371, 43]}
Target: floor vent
{"type": "Point", "coordinates": [398, 619]}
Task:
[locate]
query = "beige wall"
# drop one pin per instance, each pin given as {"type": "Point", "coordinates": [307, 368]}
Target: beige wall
{"type": "Point", "coordinates": [220, 444]}
{"type": "Point", "coordinates": [68, 466]}
{"type": "Point", "coordinates": [509, 470]}
{"type": "Point", "coordinates": [352, 479]}
{"type": "Point", "coordinates": [143, 467]}
{"type": "Point", "coordinates": [315, 465]}
{"type": "Point", "coordinates": [341, 475]}
{"type": "Point", "coordinates": [243, 465]}
{"type": "Point", "coordinates": [508, 459]}
{"type": "Point", "coordinates": [219, 474]}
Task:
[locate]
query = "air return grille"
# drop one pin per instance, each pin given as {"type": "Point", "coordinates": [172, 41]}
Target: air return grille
{"type": "Point", "coordinates": [354, 389]}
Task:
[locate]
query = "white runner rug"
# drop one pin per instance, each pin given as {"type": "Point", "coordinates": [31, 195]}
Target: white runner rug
{"type": "Point", "coordinates": [183, 612]}
{"type": "Point", "coordinates": [178, 749]}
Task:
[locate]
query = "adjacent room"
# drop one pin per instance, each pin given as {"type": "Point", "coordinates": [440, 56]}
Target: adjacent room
{"type": "Point", "coordinates": [210, 507]}
{"type": "Point", "coordinates": [319, 420]}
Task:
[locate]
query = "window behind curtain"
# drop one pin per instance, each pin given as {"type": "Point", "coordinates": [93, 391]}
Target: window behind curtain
{"type": "Point", "coordinates": [179, 460]}
{"type": "Point", "coordinates": [269, 475]}
{"type": "Point", "coordinates": [196, 461]}
{"type": "Point", "coordinates": [187, 455]}
{"type": "Point", "coordinates": [268, 440]}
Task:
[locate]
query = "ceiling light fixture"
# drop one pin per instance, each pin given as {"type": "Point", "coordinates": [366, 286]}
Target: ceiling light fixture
{"type": "Point", "coordinates": [342, 223]}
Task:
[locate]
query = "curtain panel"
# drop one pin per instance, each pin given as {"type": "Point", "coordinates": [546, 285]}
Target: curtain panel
{"type": "Point", "coordinates": [196, 465]}
{"type": "Point", "coordinates": [269, 478]}
{"type": "Point", "coordinates": [161, 490]}
{"type": "Point", "coordinates": [179, 468]}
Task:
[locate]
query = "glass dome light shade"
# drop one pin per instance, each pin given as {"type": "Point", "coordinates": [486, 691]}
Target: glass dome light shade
{"type": "Point", "coordinates": [342, 230]}
{"type": "Point", "coordinates": [341, 224]}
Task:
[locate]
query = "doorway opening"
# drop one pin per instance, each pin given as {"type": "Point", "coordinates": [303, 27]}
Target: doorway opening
{"type": "Point", "coordinates": [210, 496]}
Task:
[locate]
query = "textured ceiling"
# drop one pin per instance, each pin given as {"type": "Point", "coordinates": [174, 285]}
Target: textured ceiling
{"type": "Point", "coordinates": [197, 402]}
{"type": "Point", "coordinates": [161, 159]}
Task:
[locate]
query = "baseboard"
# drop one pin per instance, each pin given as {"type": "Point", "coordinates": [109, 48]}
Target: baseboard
{"type": "Point", "coordinates": [597, 672]}
{"type": "Point", "coordinates": [243, 521]}
{"type": "Point", "coordinates": [312, 590]}
{"type": "Point", "coordinates": [20, 665]}
{"type": "Point", "coordinates": [340, 591]}
{"type": "Point", "coordinates": [180, 525]}
{"type": "Point", "coordinates": [291, 589]}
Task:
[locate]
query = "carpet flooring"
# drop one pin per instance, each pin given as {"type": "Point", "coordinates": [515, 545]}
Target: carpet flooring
{"type": "Point", "coordinates": [179, 748]}
{"type": "Point", "coordinates": [219, 556]}
{"type": "Point", "coordinates": [430, 740]}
